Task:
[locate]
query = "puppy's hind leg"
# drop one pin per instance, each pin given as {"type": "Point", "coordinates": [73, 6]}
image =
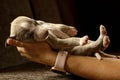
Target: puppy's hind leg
{"type": "Point", "coordinates": [108, 55]}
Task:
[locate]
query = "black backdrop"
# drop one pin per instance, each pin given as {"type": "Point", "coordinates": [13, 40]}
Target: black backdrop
{"type": "Point", "coordinates": [88, 15]}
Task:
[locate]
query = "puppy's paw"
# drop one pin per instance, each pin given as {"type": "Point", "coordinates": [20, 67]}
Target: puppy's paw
{"type": "Point", "coordinates": [84, 40]}
{"type": "Point", "coordinates": [98, 56]}
{"type": "Point", "coordinates": [72, 31]}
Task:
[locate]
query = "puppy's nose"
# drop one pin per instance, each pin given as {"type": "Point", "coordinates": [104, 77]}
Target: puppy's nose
{"type": "Point", "coordinates": [6, 44]}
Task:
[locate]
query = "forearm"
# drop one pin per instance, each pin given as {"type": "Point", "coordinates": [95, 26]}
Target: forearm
{"type": "Point", "coordinates": [49, 58]}
{"type": "Point", "coordinates": [92, 68]}
{"type": "Point", "coordinates": [88, 67]}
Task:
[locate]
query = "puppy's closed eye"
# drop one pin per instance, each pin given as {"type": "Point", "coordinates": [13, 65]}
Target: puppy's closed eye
{"type": "Point", "coordinates": [35, 23]}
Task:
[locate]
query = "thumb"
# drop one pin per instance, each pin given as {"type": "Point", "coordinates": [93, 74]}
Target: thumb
{"type": "Point", "coordinates": [13, 42]}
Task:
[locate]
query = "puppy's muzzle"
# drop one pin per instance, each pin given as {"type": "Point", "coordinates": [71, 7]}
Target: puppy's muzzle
{"type": "Point", "coordinates": [7, 45]}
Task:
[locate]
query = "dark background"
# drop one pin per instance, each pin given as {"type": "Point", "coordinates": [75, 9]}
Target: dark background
{"type": "Point", "coordinates": [91, 14]}
{"type": "Point", "coordinates": [85, 15]}
{"type": "Point", "coordinates": [88, 15]}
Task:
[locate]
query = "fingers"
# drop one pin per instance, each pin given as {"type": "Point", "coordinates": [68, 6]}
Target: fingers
{"type": "Point", "coordinates": [14, 42]}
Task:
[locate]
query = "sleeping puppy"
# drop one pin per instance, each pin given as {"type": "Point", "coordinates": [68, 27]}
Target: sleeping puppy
{"type": "Point", "coordinates": [58, 36]}
{"type": "Point", "coordinates": [26, 29]}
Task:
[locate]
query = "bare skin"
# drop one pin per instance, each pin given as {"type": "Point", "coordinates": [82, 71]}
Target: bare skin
{"type": "Point", "coordinates": [87, 67]}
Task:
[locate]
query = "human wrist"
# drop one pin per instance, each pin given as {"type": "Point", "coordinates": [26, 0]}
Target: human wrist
{"type": "Point", "coordinates": [49, 58]}
{"type": "Point", "coordinates": [70, 62]}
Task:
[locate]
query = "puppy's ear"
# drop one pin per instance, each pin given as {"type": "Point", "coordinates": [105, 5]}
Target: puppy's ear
{"type": "Point", "coordinates": [7, 45]}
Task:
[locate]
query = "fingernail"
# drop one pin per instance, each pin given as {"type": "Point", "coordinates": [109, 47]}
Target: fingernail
{"type": "Point", "coordinates": [7, 43]}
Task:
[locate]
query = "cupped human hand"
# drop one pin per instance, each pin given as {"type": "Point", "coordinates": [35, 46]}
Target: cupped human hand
{"type": "Point", "coordinates": [35, 51]}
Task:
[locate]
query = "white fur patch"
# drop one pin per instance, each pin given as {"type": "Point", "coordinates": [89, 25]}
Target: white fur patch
{"type": "Point", "coordinates": [24, 25]}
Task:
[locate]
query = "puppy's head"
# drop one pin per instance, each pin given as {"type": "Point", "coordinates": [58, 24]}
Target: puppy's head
{"type": "Point", "coordinates": [22, 28]}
